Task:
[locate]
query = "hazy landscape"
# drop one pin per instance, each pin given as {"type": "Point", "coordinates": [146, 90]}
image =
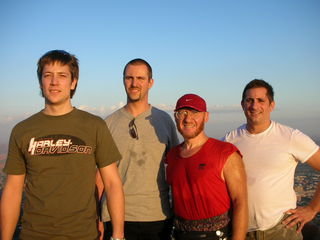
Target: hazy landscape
{"type": "Point", "coordinates": [306, 180]}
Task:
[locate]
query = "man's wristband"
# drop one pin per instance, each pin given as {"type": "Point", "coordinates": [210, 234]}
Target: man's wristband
{"type": "Point", "coordinates": [111, 238]}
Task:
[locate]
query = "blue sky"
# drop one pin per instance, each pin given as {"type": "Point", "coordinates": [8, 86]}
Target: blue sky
{"type": "Point", "coordinates": [208, 47]}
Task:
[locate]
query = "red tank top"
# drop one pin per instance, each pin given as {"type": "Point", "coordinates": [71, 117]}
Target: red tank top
{"type": "Point", "coordinates": [198, 190]}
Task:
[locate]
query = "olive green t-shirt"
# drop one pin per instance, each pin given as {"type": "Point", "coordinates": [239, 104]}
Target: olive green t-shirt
{"type": "Point", "coordinates": [59, 155]}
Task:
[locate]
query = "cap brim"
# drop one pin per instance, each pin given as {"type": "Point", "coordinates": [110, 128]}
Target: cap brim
{"type": "Point", "coordinates": [188, 106]}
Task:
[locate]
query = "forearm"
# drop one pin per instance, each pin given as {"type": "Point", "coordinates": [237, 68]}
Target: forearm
{"type": "Point", "coordinates": [99, 185]}
{"type": "Point", "coordinates": [10, 211]}
{"type": "Point", "coordinates": [315, 202]}
{"type": "Point", "coordinates": [304, 214]}
{"type": "Point", "coordinates": [239, 220]}
{"type": "Point", "coordinates": [115, 203]}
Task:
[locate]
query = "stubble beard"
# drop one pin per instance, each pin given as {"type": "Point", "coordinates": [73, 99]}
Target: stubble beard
{"type": "Point", "coordinates": [131, 99]}
{"type": "Point", "coordinates": [192, 135]}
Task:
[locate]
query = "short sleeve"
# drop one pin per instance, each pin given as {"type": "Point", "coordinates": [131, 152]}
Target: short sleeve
{"type": "Point", "coordinates": [15, 163]}
{"type": "Point", "coordinates": [106, 151]}
{"type": "Point", "coordinates": [302, 146]}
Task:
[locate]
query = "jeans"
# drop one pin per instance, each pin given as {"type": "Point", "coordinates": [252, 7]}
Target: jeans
{"type": "Point", "coordinates": [158, 230]}
{"type": "Point", "coordinates": [278, 232]}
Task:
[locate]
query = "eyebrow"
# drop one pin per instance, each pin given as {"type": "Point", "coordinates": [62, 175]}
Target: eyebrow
{"type": "Point", "coordinates": [57, 72]}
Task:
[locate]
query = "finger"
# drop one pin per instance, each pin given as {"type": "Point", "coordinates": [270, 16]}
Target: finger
{"type": "Point", "coordinates": [292, 220]}
{"type": "Point", "coordinates": [289, 219]}
{"type": "Point", "coordinates": [291, 211]}
{"type": "Point", "coordinates": [291, 224]}
{"type": "Point", "coordinates": [300, 226]}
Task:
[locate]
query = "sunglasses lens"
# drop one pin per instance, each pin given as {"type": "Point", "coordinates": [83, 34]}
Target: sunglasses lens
{"type": "Point", "coordinates": [133, 129]}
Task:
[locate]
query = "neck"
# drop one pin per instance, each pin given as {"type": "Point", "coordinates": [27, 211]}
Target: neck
{"type": "Point", "coordinates": [54, 110]}
{"type": "Point", "coordinates": [257, 128]}
{"type": "Point", "coordinates": [195, 142]}
{"type": "Point", "coordinates": [136, 108]}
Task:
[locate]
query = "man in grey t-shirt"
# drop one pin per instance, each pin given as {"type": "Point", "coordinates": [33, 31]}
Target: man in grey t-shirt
{"type": "Point", "coordinates": [143, 134]}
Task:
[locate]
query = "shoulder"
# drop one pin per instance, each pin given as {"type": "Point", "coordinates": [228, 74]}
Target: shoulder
{"type": "Point", "coordinates": [226, 146]}
{"type": "Point", "coordinates": [294, 136]}
{"type": "Point", "coordinates": [236, 133]}
{"type": "Point", "coordinates": [285, 133]}
{"type": "Point", "coordinates": [222, 150]}
{"type": "Point", "coordinates": [114, 117]}
{"type": "Point", "coordinates": [282, 129]}
{"type": "Point", "coordinates": [88, 116]}
{"type": "Point", "coordinates": [90, 120]}
{"type": "Point", "coordinates": [24, 124]}
{"type": "Point", "coordinates": [160, 114]}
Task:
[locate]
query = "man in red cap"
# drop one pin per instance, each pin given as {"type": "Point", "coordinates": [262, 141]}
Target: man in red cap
{"type": "Point", "coordinates": [207, 178]}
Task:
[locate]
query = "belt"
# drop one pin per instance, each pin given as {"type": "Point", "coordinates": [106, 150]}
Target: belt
{"type": "Point", "coordinates": [202, 225]}
{"type": "Point", "coordinates": [220, 234]}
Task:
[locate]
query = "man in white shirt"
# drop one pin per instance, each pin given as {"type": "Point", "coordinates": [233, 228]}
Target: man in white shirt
{"type": "Point", "coordinates": [271, 152]}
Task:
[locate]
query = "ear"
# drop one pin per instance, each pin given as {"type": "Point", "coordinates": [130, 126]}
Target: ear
{"type": "Point", "coordinates": [150, 83]}
{"type": "Point", "coordinates": [74, 83]}
{"type": "Point", "coordinates": [272, 106]}
{"type": "Point", "coordinates": [206, 116]}
{"type": "Point", "coordinates": [41, 89]}
{"type": "Point", "coordinates": [242, 105]}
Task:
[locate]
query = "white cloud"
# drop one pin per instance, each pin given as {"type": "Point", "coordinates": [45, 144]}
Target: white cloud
{"type": "Point", "coordinates": [165, 107]}
{"type": "Point", "coordinates": [212, 108]}
{"type": "Point", "coordinates": [12, 119]}
{"type": "Point", "coordinates": [116, 107]}
{"type": "Point", "coordinates": [101, 110]}
{"type": "Point", "coordinates": [224, 108]}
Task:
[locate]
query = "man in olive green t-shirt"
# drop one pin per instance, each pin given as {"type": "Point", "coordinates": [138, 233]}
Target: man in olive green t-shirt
{"type": "Point", "coordinates": [54, 153]}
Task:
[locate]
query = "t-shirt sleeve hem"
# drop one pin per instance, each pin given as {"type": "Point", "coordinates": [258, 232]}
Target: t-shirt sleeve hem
{"type": "Point", "coordinates": [108, 163]}
{"type": "Point", "coordinates": [310, 155]}
{"type": "Point", "coordinates": [13, 172]}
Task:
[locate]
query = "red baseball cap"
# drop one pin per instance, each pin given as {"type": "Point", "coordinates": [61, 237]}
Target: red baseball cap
{"type": "Point", "coordinates": [192, 101]}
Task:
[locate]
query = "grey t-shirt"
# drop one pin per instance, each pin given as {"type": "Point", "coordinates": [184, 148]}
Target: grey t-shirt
{"type": "Point", "coordinates": [142, 164]}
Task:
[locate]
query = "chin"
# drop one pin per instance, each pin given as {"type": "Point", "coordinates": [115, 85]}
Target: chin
{"type": "Point", "coordinates": [134, 99]}
{"type": "Point", "coordinates": [187, 136]}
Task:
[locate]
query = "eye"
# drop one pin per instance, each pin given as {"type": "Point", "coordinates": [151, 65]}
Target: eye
{"type": "Point", "coordinates": [64, 75]}
{"type": "Point", "coordinates": [193, 112]}
{"type": "Point", "coordinates": [180, 114]}
{"type": "Point", "coordinates": [183, 113]}
{"type": "Point", "coordinates": [46, 75]}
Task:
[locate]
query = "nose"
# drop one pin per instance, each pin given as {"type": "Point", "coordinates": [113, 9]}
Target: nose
{"type": "Point", "coordinates": [254, 104]}
{"type": "Point", "coordinates": [54, 80]}
{"type": "Point", "coordinates": [187, 117]}
{"type": "Point", "coordinates": [134, 82]}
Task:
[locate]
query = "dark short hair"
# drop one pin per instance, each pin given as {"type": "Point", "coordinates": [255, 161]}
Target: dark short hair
{"type": "Point", "coordinates": [259, 83]}
{"type": "Point", "coordinates": [63, 58]}
{"type": "Point", "coordinates": [139, 61]}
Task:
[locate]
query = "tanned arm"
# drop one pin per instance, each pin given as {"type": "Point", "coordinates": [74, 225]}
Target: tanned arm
{"type": "Point", "coordinates": [235, 177]}
{"type": "Point", "coordinates": [115, 198]}
{"type": "Point", "coordinates": [305, 214]}
{"type": "Point", "coordinates": [10, 205]}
